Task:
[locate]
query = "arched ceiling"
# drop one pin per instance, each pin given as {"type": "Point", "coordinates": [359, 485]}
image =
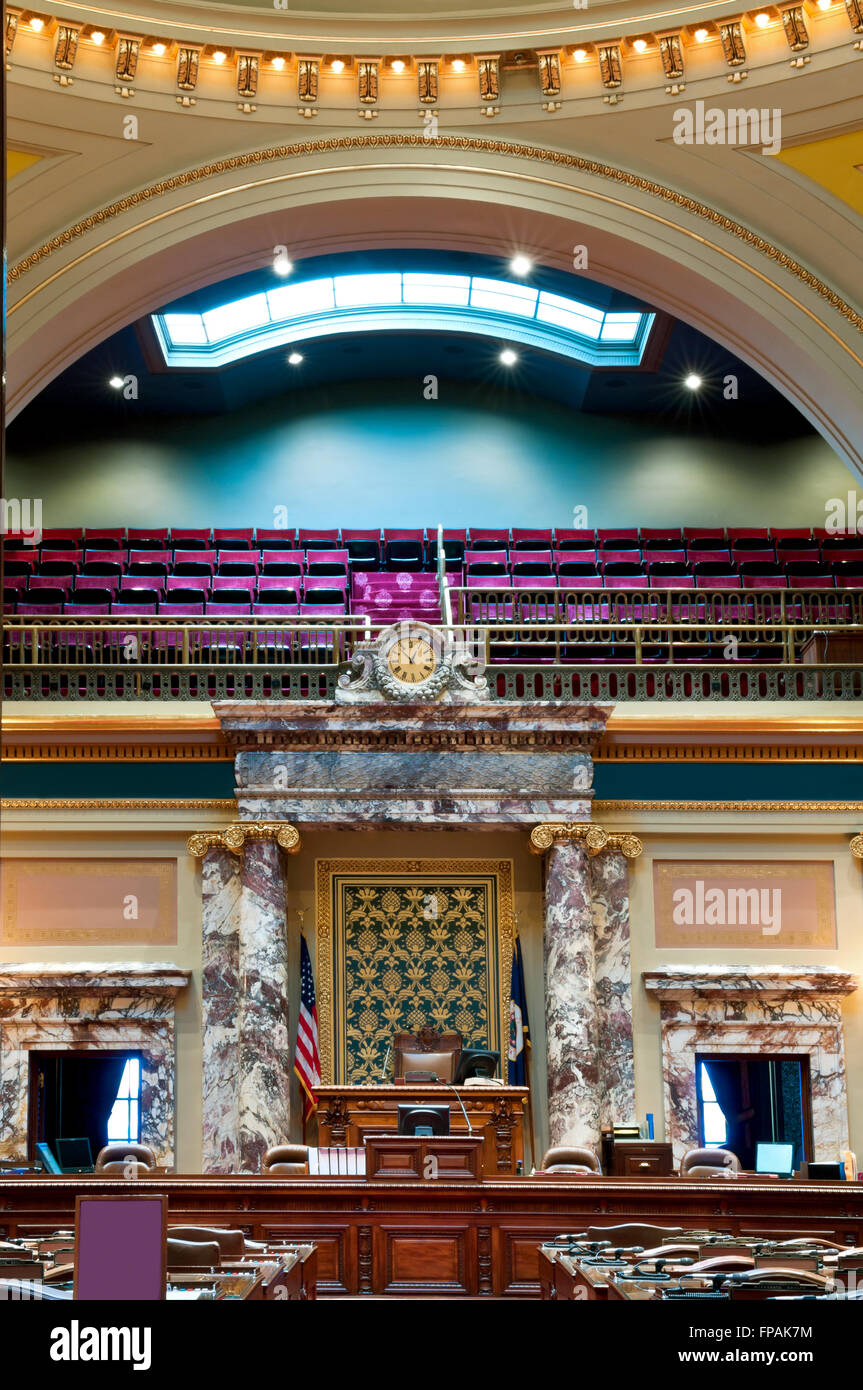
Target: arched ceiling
{"type": "Point", "coordinates": [748, 248]}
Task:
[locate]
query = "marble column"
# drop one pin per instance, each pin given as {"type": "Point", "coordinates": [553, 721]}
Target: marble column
{"type": "Point", "coordinates": [264, 1072]}
{"type": "Point", "coordinates": [220, 947]}
{"type": "Point", "coordinates": [609, 888]}
{"type": "Point", "coordinates": [246, 1035]}
{"type": "Point", "coordinates": [570, 998]}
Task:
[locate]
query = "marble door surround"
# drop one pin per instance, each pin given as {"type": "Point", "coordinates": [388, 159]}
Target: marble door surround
{"type": "Point", "coordinates": [121, 1006]}
{"type": "Point", "coordinates": [791, 1010]}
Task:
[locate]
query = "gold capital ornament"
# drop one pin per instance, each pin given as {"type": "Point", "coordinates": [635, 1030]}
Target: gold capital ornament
{"type": "Point", "coordinates": [235, 837]}
{"type": "Point", "coordinates": [594, 838]}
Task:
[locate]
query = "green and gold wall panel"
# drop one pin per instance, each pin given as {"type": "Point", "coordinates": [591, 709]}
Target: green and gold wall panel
{"type": "Point", "coordinates": [408, 942]}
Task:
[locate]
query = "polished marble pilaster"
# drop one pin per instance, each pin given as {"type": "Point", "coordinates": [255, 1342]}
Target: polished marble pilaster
{"type": "Point", "coordinates": [220, 962]}
{"type": "Point", "coordinates": [264, 1044]}
{"type": "Point", "coordinates": [570, 998]}
{"type": "Point", "coordinates": [609, 889]}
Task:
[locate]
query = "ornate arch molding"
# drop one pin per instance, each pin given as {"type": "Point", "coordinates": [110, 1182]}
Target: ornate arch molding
{"type": "Point", "coordinates": [742, 266]}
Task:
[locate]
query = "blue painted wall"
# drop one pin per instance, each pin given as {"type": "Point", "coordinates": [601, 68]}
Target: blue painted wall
{"type": "Point", "coordinates": [380, 454]}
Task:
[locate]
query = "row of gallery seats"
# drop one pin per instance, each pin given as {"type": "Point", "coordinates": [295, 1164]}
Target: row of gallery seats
{"type": "Point", "coordinates": [274, 575]}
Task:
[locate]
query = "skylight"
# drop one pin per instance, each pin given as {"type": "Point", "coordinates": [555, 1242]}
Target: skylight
{"type": "Point", "coordinates": [403, 301]}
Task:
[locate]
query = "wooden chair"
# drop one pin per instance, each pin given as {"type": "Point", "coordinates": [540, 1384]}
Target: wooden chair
{"type": "Point", "coordinates": [427, 1050]}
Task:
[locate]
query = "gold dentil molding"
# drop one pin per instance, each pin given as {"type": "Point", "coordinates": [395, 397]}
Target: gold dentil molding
{"type": "Point", "coordinates": [235, 837]}
{"type": "Point", "coordinates": [594, 838]}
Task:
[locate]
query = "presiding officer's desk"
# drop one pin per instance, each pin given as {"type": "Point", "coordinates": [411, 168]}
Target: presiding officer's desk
{"type": "Point", "coordinates": [346, 1114]}
{"type": "Point", "coordinates": [435, 1237]}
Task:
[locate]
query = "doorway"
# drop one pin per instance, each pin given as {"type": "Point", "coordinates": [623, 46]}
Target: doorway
{"type": "Point", "coordinates": [746, 1100]}
{"type": "Point", "coordinates": [84, 1095]}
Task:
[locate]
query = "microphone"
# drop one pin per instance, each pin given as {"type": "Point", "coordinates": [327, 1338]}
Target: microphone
{"type": "Point", "coordinates": [461, 1103]}
{"type": "Point", "coordinates": [386, 1060]}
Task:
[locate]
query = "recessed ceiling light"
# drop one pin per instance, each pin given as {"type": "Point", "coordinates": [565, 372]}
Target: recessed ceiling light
{"type": "Point", "coordinates": [116, 382]}
{"type": "Point", "coordinates": [158, 49]}
{"type": "Point", "coordinates": [295, 358]}
{"type": "Point", "coordinates": [97, 36]}
{"type": "Point", "coordinates": [397, 65]}
{"type": "Point", "coordinates": [640, 45]}
{"type": "Point", "coordinates": [579, 55]}
{"type": "Point", "coordinates": [824, 4]}
{"type": "Point", "coordinates": [521, 265]}
{"type": "Point", "coordinates": [693, 381]}
{"type": "Point", "coordinates": [337, 65]}
{"type": "Point", "coordinates": [37, 24]}
{"type": "Point", "coordinates": [700, 35]}
{"type": "Point", "coordinates": [219, 56]}
{"type": "Point", "coordinates": [278, 63]}
{"type": "Point", "coordinates": [281, 265]}
{"type": "Point", "coordinates": [762, 20]}
{"type": "Point", "coordinates": [458, 64]}
{"type": "Point", "coordinates": [508, 357]}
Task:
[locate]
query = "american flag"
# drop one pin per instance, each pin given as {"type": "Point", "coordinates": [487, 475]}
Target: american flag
{"type": "Point", "coordinates": [307, 1060]}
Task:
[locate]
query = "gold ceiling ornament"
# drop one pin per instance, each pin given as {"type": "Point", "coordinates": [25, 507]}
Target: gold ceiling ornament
{"type": "Point", "coordinates": [857, 846]}
{"type": "Point", "coordinates": [66, 47]}
{"type": "Point", "coordinates": [592, 836]}
{"type": "Point", "coordinates": [854, 10]}
{"type": "Point", "coordinates": [733, 46]}
{"type": "Point", "coordinates": [549, 73]}
{"type": "Point", "coordinates": [610, 69]}
{"type": "Point", "coordinates": [428, 84]}
{"type": "Point", "coordinates": [188, 62]}
{"type": "Point", "coordinates": [126, 65]}
{"type": "Point", "coordinates": [248, 65]}
{"type": "Point", "coordinates": [368, 73]}
{"type": "Point", "coordinates": [794, 24]}
{"type": "Point", "coordinates": [236, 837]}
{"type": "Point", "coordinates": [11, 31]}
{"type": "Point", "coordinates": [671, 53]}
{"type": "Point", "coordinates": [488, 74]}
{"type": "Point", "coordinates": [462, 145]}
{"type": "Point", "coordinates": [308, 73]}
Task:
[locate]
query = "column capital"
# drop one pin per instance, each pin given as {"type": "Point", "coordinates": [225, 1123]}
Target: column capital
{"type": "Point", "coordinates": [592, 836]}
{"type": "Point", "coordinates": [235, 837]}
{"type": "Point", "coordinates": [857, 846]}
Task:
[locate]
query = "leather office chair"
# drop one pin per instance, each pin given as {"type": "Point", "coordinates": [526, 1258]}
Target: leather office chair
{"type": "Point", "coordinates": [570, 1159]}
{"type": "Point", "coordinates": [427, 1050]}
{"type": "Point", "coordinates": [113, 1158]}
{"type": "Point", "coordinates": [193, 1254]}
{"type": "Point", "coordinates": [232, 1244]}
{"type": "Point", "coordinates": [708, 1163]}
{"type": "Point", "coordinates": [286, 1161]}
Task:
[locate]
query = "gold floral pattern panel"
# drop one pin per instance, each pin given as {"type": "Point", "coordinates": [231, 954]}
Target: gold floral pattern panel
{"type": "Point", "coordinates": [408, 942]}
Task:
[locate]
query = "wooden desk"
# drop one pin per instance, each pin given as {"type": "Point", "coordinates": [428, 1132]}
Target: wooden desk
{"type": "Point", "coordinates": [346, 1114]}
{"type": "Point", "coordinates": [449, 1238]}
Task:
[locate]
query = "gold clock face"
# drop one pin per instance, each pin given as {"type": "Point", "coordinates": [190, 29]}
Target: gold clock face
{"type": "Point", "coordinates": [411, 659]}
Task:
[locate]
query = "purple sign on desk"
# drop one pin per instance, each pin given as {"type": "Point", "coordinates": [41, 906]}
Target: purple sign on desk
{"type": "Point", "coordinates": [121, 1248]}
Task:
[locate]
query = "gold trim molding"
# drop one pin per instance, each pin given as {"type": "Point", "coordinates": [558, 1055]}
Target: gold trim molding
{"type": "Point", "coordinates": [854, 808]}
{"type": "Point", "coordinates": [719, 752]}
{"type": "Point", "coordinates": [144, 803]}
{"type": "Point", "coordinates": [115, 753]}
{"type": "Point", "coordinates": [594, 838]}
{"type": "Point", "coordinates": [235, 837]}
{"type": "Point", "coordinates": [463, 144]}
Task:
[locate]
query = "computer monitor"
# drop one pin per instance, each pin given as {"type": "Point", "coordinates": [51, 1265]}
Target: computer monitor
{"type": "Point", "coordinates": [49, 1162]}
{"type": "Point", "coordinates": [75, 1155]}
{"type": "Point", "coordinates": [775, 1158]}
{"type": "Point", "coordinates": [475, 1061]}
{"type": "Point", "coordinates": [423, 1119]}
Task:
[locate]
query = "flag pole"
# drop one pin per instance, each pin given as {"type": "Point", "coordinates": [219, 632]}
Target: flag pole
{"type": "Point", "coordinates": [527, 1051]}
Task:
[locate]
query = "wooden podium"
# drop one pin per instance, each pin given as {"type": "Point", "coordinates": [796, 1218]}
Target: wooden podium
{"type": "Point", "coordinates": [347, 1114]}
{"type": "Point", "coordinates": [409, 1157]}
